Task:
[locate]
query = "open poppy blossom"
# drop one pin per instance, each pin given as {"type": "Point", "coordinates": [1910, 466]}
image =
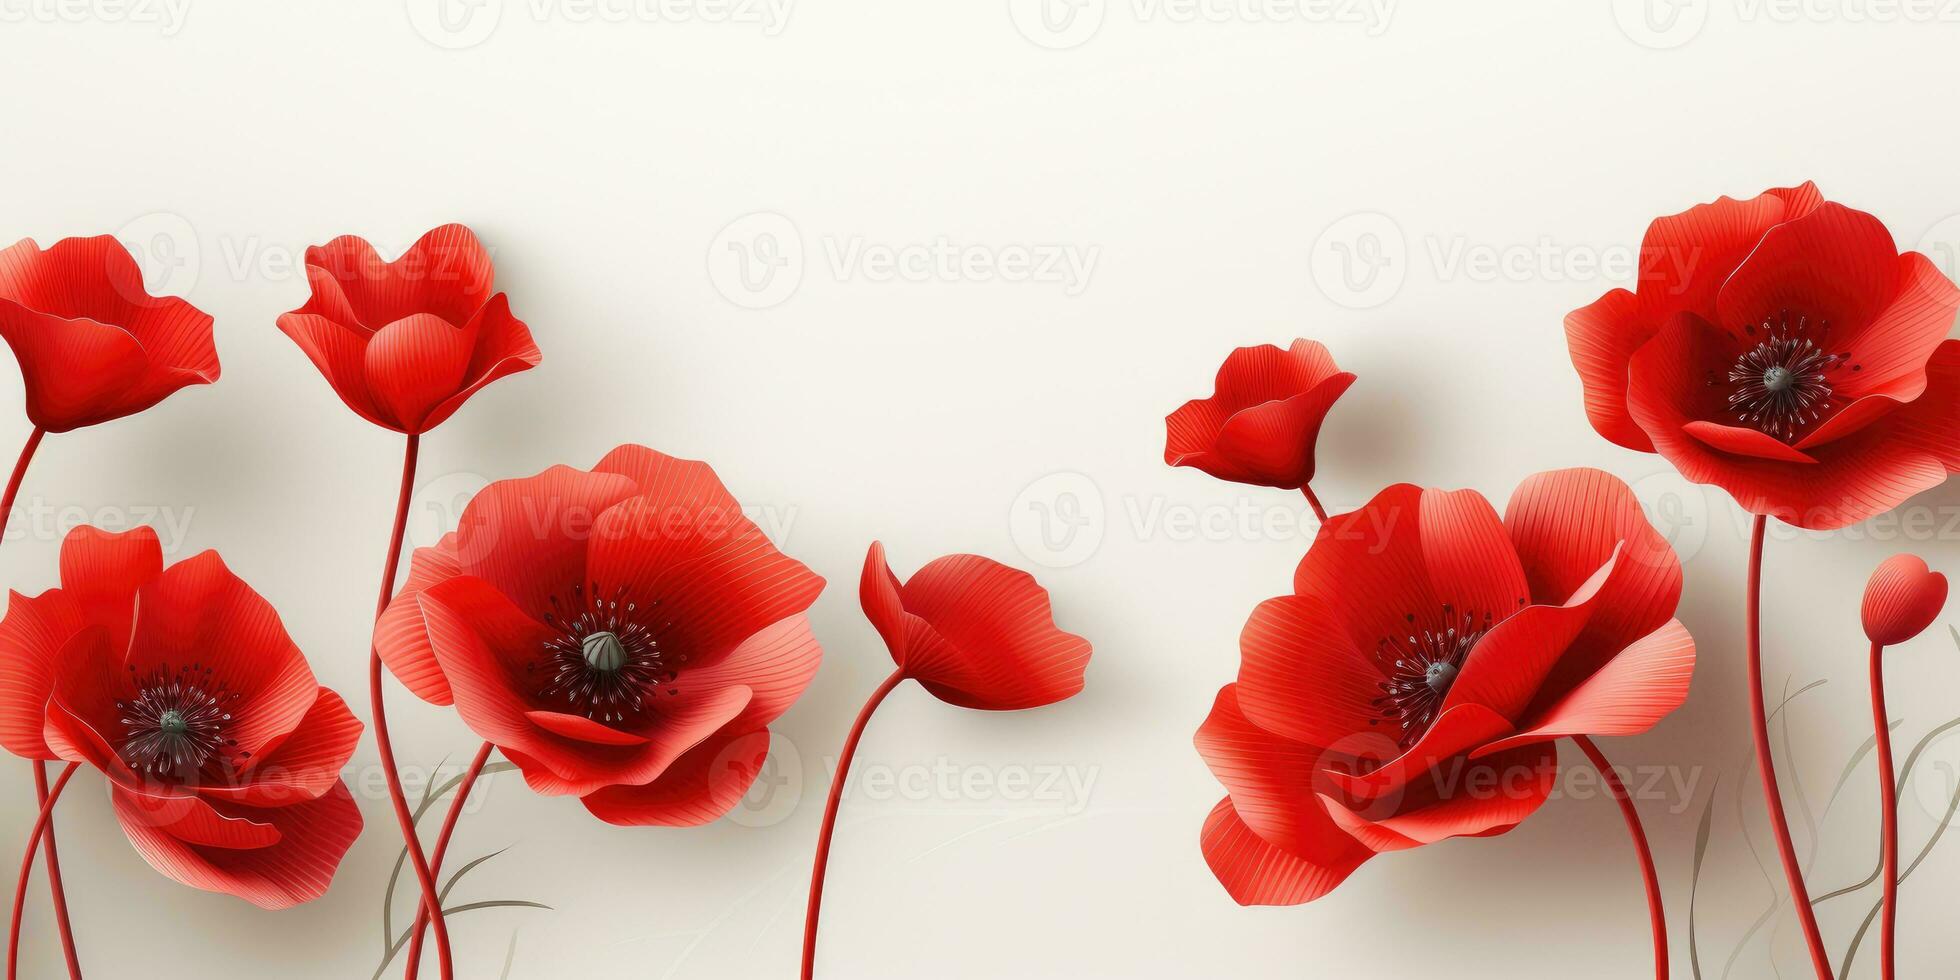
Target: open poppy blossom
{"type": "Point", "coordinates": [405, 343]}
{"type": "Point", "coordinates": [1263, 418]}
{"type": "Point", "coordinates": [1412, 688]}
{"type": "Point", "coordinates": [623, 635]}
{"type": "Point", "coordinates": [973, 632]}
{"type": "Point", "coordinates": [1783, 349]}
{"type": "Point", "coordinates": [222, 753]}
{"type": "Point", "coordinates": [92, 344]}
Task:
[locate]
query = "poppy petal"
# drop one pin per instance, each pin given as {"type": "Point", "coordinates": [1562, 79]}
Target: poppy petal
{"type": "Point", "coordinates": [305, 763]}
{"type": "Point", "coordinates": [1627, 696]}
{"type": "Point", "coordinates": [502, 347]}
{"type": "Point", "coordinates": [1483, 798]}
{"type": "Point", "coordinates": [1255, 872]}
{"type": "Point", "coordinates": [401, 636]}
{"type": "Point", "coordinates": [702, 785]}
{"type": "Point", "coordinates": [313, 837]}
{"type": "Point", "coordinates": [1370, 565]}
{"type": "Point", "coordinates": [529, 538]}
{"type": "Point", "coordinates": [413, 364]}
{"type": "Point", "coordinates": [1301, 677]}
{"type": "Point", "coordinates": [31, 640]}
{"type": "Point", "coordinates": [1272, 782]}
{"type": "Point", "coordinates": [339, 353]}
{"type": "Point", "coordinates": [1567, 525]}
{"type": "Point", "coordinates": [102, 570]}
{"type": "Point", "coordinates": [198, 614]}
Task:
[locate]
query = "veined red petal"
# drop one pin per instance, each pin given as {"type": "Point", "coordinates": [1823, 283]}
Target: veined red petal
{"type": "Point", "coordinates": [1255, 872]}
{"type": "Point", "coordinates": [702, 785]}
{"type": "Point", "coordinates": [298, 867]}
{"type": "Point", "coordinates": [1902, 599]}
{"type": "Point", "coordinates": [977, 633]}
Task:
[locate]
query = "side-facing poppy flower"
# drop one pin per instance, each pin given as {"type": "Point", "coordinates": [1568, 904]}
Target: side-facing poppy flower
{"type": "Point", "coordinates": [1411, 688]}
{"type": "Point", "coordinates": [974, 633]}
{"type": "Point", "coordinates": [405, 343]}
{"type": "Point", "coordinates": [1783, 349]}
{"type": "Point", "coordinates": [179, 684]}
{"type": "Point", "coordinates": [623, 635]}
{"type": "Point", "coordinates": [1263, 418]}
{"type": "Point", "coordinates": [93, 345]}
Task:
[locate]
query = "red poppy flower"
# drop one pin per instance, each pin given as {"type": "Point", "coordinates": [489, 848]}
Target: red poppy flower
{"type": "Point", "coordinates": [1261, 422]}
{"type": "Point", "coordinates": [405, 343]}
{"type": "Point", "coordinates": [623, 635]}
{"type": "Point", "coordinates": [92, 344]}
{"type": "Point", "coordinates": [222, 753]}
{"type": "Point", "coordinates": [1783, 349]}
{"type": "Point", "coordinates": [974, 632]}
{"type": "Point", "coordinates": [1901, 600]}
{"type": "Point", "coordinates": [1412, 687]}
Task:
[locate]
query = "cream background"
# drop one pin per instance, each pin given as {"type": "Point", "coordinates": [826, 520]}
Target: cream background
{"type": "Point", "coordinates": [1211, 169]}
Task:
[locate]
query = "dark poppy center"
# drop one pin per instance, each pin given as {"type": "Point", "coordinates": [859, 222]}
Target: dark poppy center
{"type": "Point", "coordinates": [176, 722]}
{"type": "Point", "coordinates": [1783, 383]}
{"type": "Point", "coordinates": [604, 659]}
{"type": "Point", "coordinates": [1421, 664]}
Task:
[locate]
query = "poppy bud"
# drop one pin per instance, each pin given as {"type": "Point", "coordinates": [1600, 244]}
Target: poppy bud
{"type": "Point", "coordinates": [1902, 599]}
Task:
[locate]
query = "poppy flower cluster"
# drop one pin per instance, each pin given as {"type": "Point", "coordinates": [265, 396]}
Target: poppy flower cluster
{"type": "Point", "coordinates": [1784, 349]}
{"type": "Point", "coordinates": [1413, 686]}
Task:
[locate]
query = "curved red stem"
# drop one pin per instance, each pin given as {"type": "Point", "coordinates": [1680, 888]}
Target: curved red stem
{"type": "Point", "coordinates": [1656, 911]}
{"type": "Point", "coordinates": [1766, 763]}
{"type": "Point", "coordinates": [442, 848]}
{"type": "Point", "coordinates": [1319, 512]}
{"type": "Point", "coordinates": [830, 818]}
{"type": "Point", "coordinates": [1888, 793]}
{"type": "Point", "coordinates": [56, 891]}
{"type": "Point", "coordinates": [27, 868]}
{"type": "Point", "coordinates": [403, 816]}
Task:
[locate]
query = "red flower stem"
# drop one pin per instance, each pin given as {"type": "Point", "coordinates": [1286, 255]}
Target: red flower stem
{"type": "Point", "coordinates": [1656, 911]}
{"type": "Point", "coordinates": [41, 826]}
{"type": "Point", "coordinates": [1766, 763]}
{"type": "Point", "coordinates": [56, 891]}
{"type": "Point", "coordinates": [403, 816]}
{"type": "Point", "coordinates": [830, 818]}
{"type": "Point", "coordinates": [1314, 502]}
{"type": "Point", "coordinates": [1888, 792]}
{"type": "Point", "coordinates": [442, 847]}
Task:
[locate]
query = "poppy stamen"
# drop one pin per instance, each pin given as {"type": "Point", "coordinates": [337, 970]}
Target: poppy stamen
{"type": "Point", "coordinates": [1421, 665]}
{"type": "Point", "coordinates": [176, 721]}
{"type": "Point", "coordinates": [1781, 384]}
{"type": "Point", "coordinates": [605, 662]}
